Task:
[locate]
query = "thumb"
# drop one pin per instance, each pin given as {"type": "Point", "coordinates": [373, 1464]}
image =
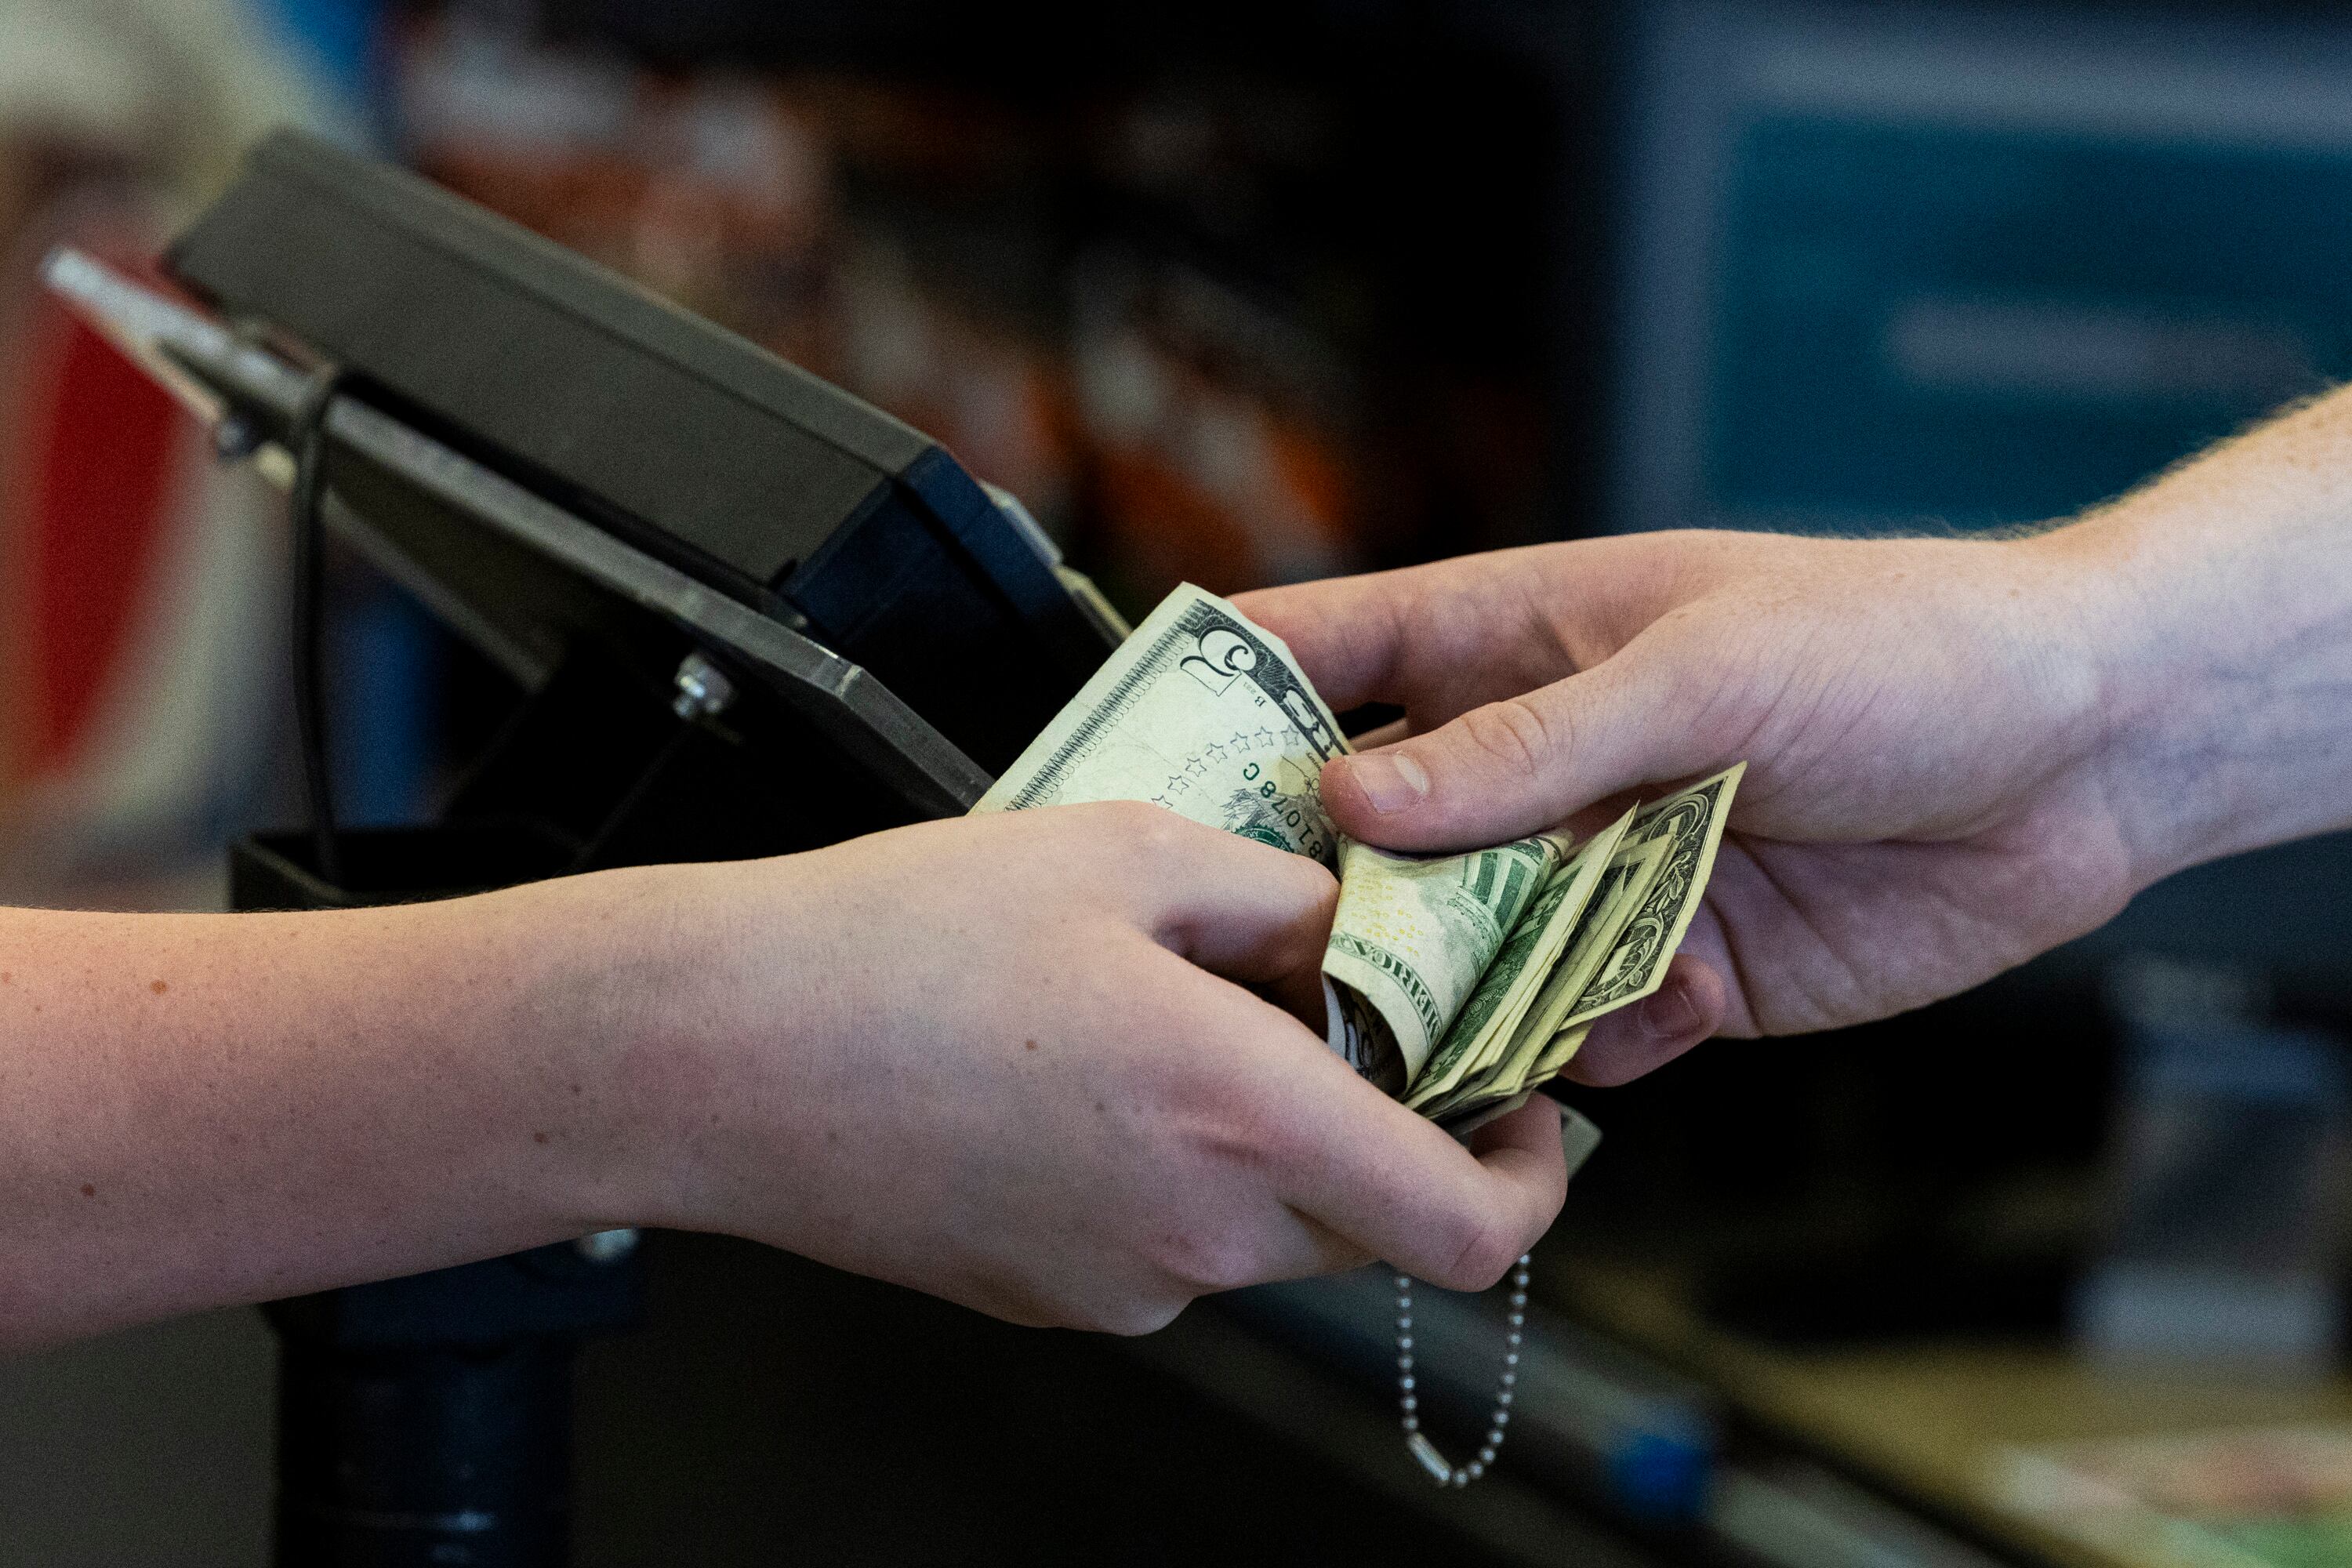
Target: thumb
{"type": "Point", "coordinates": [1520, 765]}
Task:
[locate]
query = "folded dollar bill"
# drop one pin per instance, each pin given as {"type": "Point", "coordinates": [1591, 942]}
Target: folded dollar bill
{"type": "Point", "coordinates": [1411, 943]}
{"type": "Point", "coordinates": [1456, 983]}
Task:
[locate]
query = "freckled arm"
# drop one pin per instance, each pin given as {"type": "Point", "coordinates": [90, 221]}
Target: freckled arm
{"type": "Point", "coordinates": [199, 1109]}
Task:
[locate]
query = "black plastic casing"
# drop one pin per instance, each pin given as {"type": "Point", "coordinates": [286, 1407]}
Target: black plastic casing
{"type": "Point", "coordinates": [697, 445]}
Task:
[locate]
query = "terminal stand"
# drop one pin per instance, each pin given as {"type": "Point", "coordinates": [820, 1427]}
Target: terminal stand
{"type": "Point", "coordinates": [748, 616]}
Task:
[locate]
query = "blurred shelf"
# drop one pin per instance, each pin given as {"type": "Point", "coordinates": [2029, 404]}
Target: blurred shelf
{"type": "Point", "coordinates": [1938, 1423]}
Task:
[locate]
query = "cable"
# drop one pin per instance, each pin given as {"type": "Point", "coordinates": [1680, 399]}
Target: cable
{"type": "Point", "coordinates": [584, 857]}
{"type": "Point", "coordinates": [307, 435]}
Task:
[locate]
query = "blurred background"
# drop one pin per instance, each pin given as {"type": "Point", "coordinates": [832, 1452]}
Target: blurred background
{"type": "Point", "coordinates": [2052, 1273]}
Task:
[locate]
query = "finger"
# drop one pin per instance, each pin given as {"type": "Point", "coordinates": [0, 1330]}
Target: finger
{"type": "Point", "coordinates": [1287, 1245]}
{"type": "Point", "coordinates": [1519, 765]}
{"type": "Point", "coordinates": [1235, 907]}
{"type": "Point", "coordinates": [1299, 992]}
{"type": "Point", "coordinates": [1346, 633]}
{"type": "Point", "coordinates": [1389, 1182]}
{"type": "Point", "coordinates": [1688, 1008]}
{"type": "Point", "coordinates": [1708, 941]}
{"type": "Point", "coordinates": [1303, 1247]}
{"type": "Point", "coordinates": [1435, 638]}
{"type": "Point", "coordinates": [1532, 1129]}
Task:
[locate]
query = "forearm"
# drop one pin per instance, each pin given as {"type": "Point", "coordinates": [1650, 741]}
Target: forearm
{"type": "Point", "coordinates": [204, 1110]}
{"type": "Point", "coordinates": [2222, 616]}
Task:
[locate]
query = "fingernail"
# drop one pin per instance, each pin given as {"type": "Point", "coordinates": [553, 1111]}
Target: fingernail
{"type": "Point", "coordinates": [1671, 1014]}
{"type": "Point", "coordinates": [1389, 780]}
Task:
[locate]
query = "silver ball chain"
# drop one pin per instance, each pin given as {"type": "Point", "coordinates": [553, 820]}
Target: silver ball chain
{"type": "Point", "coordinates": [1440, 1469]}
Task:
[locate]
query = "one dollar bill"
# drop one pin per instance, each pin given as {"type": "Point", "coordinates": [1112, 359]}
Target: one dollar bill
{"type": "Point", "coordinates": [1689, 827]}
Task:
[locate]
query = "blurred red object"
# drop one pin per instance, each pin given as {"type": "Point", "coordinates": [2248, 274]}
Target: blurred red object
{"type": "Point", "coordinates": [1204, 473]}
{"type": "Point", "coordinates": [97, 446]}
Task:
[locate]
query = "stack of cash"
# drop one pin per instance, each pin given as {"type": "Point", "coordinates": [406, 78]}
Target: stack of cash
{"type": "Point", "coordinates": [1458, 983]}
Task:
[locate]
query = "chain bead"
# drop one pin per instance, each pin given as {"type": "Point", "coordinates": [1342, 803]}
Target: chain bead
{"type": "Point", "coordinates": [1443, 1472]}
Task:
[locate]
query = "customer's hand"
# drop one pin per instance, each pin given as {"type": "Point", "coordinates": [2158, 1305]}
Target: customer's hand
{"type": "Point", "coordinates": [1011, 1060]}
{"type": "Point", "coordinates": [1930, 797]}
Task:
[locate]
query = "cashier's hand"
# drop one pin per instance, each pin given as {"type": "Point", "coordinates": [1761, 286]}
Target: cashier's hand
{"type": "Point", "coordinates": [1926, 803]}
{"type": "Point", "coordinates": [1021, 1061]}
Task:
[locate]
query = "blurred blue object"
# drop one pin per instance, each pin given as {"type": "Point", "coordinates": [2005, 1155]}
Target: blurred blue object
{"type": "Point", "coordinates": [1893, 266]}
{"type": "Point", "coordinates": [1984, 326]}
{"type": "Point", "coordinates": [1662, 1475]}
{"type": "Point", "coordinates": [383, 706]}
{"type": "Point", "coordinates": [339, 39]}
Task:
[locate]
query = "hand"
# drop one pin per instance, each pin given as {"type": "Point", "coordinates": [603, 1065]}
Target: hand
{"type": "Point", "coordinates": [1927, 802]}
{"type": "Point", "coordinates": [1011, 1060]}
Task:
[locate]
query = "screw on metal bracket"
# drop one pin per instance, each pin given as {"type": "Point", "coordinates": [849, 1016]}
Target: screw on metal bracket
{"type": "Point", "coordinates": [703, 689]}
{"type": "Point", "coordinates": [235, 438]}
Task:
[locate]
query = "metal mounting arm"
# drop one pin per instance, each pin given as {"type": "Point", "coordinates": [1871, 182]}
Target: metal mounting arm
{"type": "Point", "coordinates": [226, 378]}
